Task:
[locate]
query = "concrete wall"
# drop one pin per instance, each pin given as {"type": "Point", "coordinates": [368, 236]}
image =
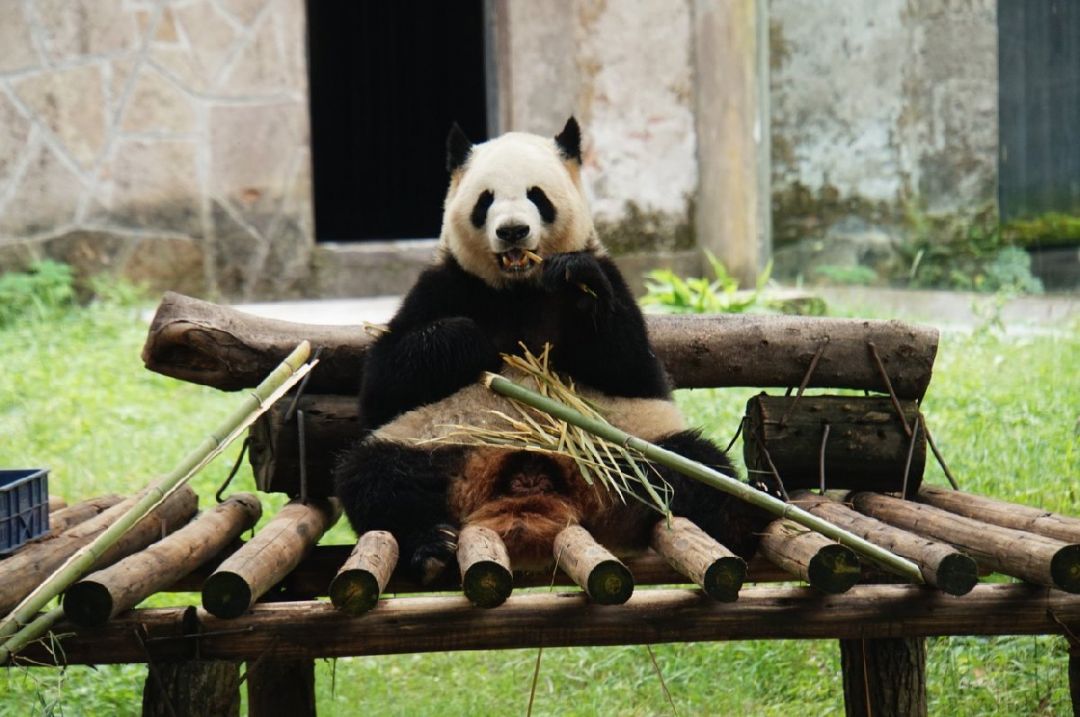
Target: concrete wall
{"type": "Point", "coordinates": [879, 111]}
{"type": "Point", "coordinates": [163, 141]}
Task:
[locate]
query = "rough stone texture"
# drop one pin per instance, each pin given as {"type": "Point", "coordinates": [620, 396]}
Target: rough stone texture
{"type": "Point", "coordinates": [151, 185]}
{"type": "Point", "coordinates": [157, 105]}
{"type": "Point", "coordinates": [14, 134]}
{"type": "Point", "coordinates": [75, 28]}
{"type": "Point", "coordinates": [18, 53]}
{"type": "Point", "coordinates": [45, 196]}
{"type": "Point", "coordinates": [71, 103]}
{"type": "Point", "coordinates": [166, 263]}
{"type": "Point", "coordinates": [878, 109]}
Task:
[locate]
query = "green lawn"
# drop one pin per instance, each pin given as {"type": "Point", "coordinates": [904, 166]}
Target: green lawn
{"type": "Point", "coordinates": [74, 397]}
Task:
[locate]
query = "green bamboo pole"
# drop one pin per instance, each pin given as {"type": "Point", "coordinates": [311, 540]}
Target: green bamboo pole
{"type": "Point", "coordinates": [707, 475]}
{"type": "Point", "coordinates": [21, 626]}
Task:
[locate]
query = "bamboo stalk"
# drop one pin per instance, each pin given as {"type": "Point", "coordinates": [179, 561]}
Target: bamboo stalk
{"type": "Point", "coordinates": [268, 557]}
{"type": "Point", "coordinates": [485, 566]}
{"type": "Point", "coordinates": [999, 512]}
{"type": "Point", "coordinates": [291, 370]}
{"type": "Point", "coordinates": [102, 595]}
{"type": "Point", "coordinates": [1034, 558]}
{"type": "Point", "coordinates": [695, 554]}
{"type": "Point", "coordinates": [358, 584]}
{"type": "Point", "coordinates": [942, 565]}
{"type": "Point", "coordinates": [606, 580]}
{"type": "Point", "coordinates": [709, 476]}
{"type": "Point", "coordinates": [827, 566]}
{"type": "Point", "coordinates": [70, 516]}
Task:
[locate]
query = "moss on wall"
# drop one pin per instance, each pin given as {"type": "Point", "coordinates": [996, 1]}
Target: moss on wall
{"type": "Point", "coordinates": [643, 230]}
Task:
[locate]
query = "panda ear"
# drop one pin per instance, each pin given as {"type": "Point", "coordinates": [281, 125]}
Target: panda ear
{"type": "Point", "coordinates": [569, 140]}
{"type": "Point", "coordinates": [458, 147]}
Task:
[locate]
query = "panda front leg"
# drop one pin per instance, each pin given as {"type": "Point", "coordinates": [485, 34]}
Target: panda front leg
{"type": "Point", "coordinates": [388, 486]}
{"type": "Point", "coordinates": [732, 522]}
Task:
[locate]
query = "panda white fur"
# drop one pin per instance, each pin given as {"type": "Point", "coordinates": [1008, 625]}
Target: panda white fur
{"type": "Point", "coordinates": [515, 194]}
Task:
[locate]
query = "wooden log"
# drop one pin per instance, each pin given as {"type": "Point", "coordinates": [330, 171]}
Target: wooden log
{"type": "Point", "coordinates": [358, 584]}
{"type": "Point", "coordinates": [56, 503]}
{"type": "Point", "coordinates": [279, 686]}
{"type": "Point", "coordinates": [825, 565]}
{"type": "Point", "coordinates": [485, 566]}
{"type": "Point", "coordinates": [25, 570]}
{"type": "Point", "coordinates": [313, 630]}
{"type": "Point", "coordinates": [606, 580]}
{"type": "Point", "coordinates": [941, 565]}
{"type": "Point", "coordinates": [72, 515]}
{"type": "Point", "coordinates": [102, 595]}
{"type": "Point", "coordinates": [192, 688]}
{"type": "Point", "coordinates": [1030, 557]}
{"type": "Point", "coordinates": [693, 553]}
{"type": "Point", "coordinates": [268, 557]}
{"type": "Point", "coordinates": [1006, 515]}
{"type": "Point", "coordinates": [214, 345]}
{"type": "Point", "coordinates": [867, 447]}
{"type": "Point", "coordinates": [884, 676]}
{"type": "Point", "coordinates": [331, 424]}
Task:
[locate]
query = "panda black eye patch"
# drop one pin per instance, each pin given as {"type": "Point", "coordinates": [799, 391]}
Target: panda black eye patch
{"type": "Point", "coordinates": [543, 204]}
{"type": "Point", "coordinates": [480, 209]}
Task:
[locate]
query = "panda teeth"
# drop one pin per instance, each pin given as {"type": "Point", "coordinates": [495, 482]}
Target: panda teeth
{"type": "Point", "coordinates": [514, 260]}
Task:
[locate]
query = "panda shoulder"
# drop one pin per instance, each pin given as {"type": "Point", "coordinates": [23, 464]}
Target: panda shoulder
{"type": "Point", "coordinates": [444, 289]}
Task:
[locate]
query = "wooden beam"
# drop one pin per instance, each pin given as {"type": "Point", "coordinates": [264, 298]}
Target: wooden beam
{"type": "Point", "coordinates": [695, 554]}
{"type": "Point", "coordinates": [485, 566]}
{"type": "Point", "coordinates": [825, 565]}
{"type": "Point", "coordinates": [435, 624]}
{"type": "Point", "coordinates": [192, 688]}
{"type": "Point", "coordinates": [280, 687]}
{"type": "Point", "coordinates": [357, 585]}
{"type": "Point", "coordinates": [599, 573]}
{"type": "Point", "coordinates": [884, 676]}
{"type": "Point", "coordinates": [70, 516]}
{"type": "Point", "coordinates": [218, 346]}
{"type": "Point", "coordinates": [1007, 515]}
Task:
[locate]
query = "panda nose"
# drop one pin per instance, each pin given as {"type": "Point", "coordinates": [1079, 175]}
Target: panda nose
{"type": "Point", "coordinates": [512, 233]}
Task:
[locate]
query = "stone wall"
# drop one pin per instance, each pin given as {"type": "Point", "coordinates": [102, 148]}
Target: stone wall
{"type": "Point", "coordinates": [880, 112]}
{"type": "Point", "coordinates": [165, 142]}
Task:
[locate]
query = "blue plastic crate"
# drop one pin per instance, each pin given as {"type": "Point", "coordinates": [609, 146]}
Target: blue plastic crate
{"type": "Point", "coordinates": [24, 506]}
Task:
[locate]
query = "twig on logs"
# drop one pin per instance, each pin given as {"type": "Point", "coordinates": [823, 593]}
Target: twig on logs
{"type": "Point", "coordinates": [358, 584]}
{"type": "Point", "coordinates": [693, 553]}
{"type": "Point", "coordinates": [1028, 556]}
{"type": "Point", "coordinates": [937, 454]}
{"type": "Point", "coordinates": [821, 456]}
{"type": "Point", "coordinates": [598, 572]}
{"type": "Point", "coordinates": [910, 453]}
{"type": "Point", "coordinates": [827, 566]}
{"type": "Point", "coordinates": [95, 599]}
{"type": "Point", "coordinates": [805, 380]}
{"type": "Point", "coordinates": [942, 565]}
{"type": "Point", "coordinates": [888, 385]}
{"type": "Point", "coordinates": [485, 566]}
{"type": "Point", "coordinates": [268, 557]}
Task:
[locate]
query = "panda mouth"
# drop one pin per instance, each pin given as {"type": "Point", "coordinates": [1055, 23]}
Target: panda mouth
{"type": "Point", "coordinates": [517, 261]}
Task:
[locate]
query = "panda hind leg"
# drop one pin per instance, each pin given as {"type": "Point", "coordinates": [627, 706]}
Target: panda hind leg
{"type": "Point", "coordinates": [733, 522]}
{"type": "Point", "coordinates": [403, 490]}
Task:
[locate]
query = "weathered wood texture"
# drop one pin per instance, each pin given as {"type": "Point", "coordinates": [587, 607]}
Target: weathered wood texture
{"type": "Point", "coordinates": [103, 594]}
{"type": "Point", "coordinates": [589, 564]}
{"type": "Point", "coordinates": [192, 688]}
{"type": "Point", "coordinates": [279, 687]}
{"type": "Point", "coordinates": [1007, 515]}
{"type": "Point", "coordinates": [25, 570]}
{"type": "Point", "coordinates": [56, 503]}
{"type": "Point", "coordinates": [827, 566]}
{"type": "Point", "coordinates": [1031, 557]}
{"type": "Point", "coordinates": [437, 624]}
{"type": "Point", "coordinates": [485, 566]}
{"type": "Point", "coordinates": [942, 565]}
{"type": "Point", "coordinates": [268, 557]}
{"type": "Point", "coordinates": [358, 584]}
{"type": "Point", "coordinates": [866, 448]}
{"type": "Point", "coordinates": [70, 516]}
{"type": "Point", "coordinates": [331, 424]}
{"type": "Point", "coordinates": [214, 345]}
{"type": "Point", "coordinates": [884, 677]}
{"type": "Point", "coordinates": [696, 555]}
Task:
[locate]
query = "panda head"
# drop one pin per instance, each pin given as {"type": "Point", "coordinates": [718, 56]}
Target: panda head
{"type": "Point", "coordinates": [519, 192]}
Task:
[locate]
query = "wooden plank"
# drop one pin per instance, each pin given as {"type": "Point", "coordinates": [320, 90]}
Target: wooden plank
{"type": "Point", "coordinates": [437, 624]}
{"type": "Point", "coordinates": [999, 512]}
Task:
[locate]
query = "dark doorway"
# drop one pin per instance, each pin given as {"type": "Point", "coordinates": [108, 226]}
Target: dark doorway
{"type": "Point", "coordinates": [387, 80]}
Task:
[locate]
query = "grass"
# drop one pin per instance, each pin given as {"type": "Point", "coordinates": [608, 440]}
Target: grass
{"type": "Point", "coordinates": [74, 397]}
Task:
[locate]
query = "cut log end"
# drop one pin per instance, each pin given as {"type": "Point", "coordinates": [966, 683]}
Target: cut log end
{"type": "Point", "coordinates": [1065, 568]}
{"type": "Point", "coordinates": [358, 584]}
{"type": "Point", "coordinates": [610, 583]}
{"type": "Point", "coordinates": [724, 578]}
{"type": "Point", "coordinates": [226, 595]}
{"type": "Point", "coordinates": [957, 574]}
{"type": "Point", "coordinates": [834, 569]}
{"type": "Point", "coordinates": [354, 592]}
{"type": "Point", "coordinates": [88, 604]}
{"type": "Point", "coordinates": [487, 584]}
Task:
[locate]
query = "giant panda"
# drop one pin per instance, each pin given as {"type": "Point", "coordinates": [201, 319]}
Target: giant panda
{"type": "Point", "coordinates": [483, 296]}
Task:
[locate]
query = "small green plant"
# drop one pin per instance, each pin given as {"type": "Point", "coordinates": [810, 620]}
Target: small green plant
{"type": "Point", "coordinates": [45, 291]}
{"type": "Point", "coordinates": [670, 293]}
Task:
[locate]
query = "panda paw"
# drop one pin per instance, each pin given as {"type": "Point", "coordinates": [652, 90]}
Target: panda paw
{"type": "Point", "coordinates": [435, 554]}
{"type": "Point", "coordinates": [579, 272]}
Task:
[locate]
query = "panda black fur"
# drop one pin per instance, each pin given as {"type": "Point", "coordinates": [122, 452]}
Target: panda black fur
{"type": "Point", "coordinates": [482, 297]}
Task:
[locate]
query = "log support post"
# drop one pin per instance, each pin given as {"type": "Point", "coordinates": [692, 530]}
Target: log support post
{"type": "Point", "coordinates": [192, 688]}
{"type": "Point", "coordinates": [278, 686]}
{"type": "Point", "coordinates": [884, 676]}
